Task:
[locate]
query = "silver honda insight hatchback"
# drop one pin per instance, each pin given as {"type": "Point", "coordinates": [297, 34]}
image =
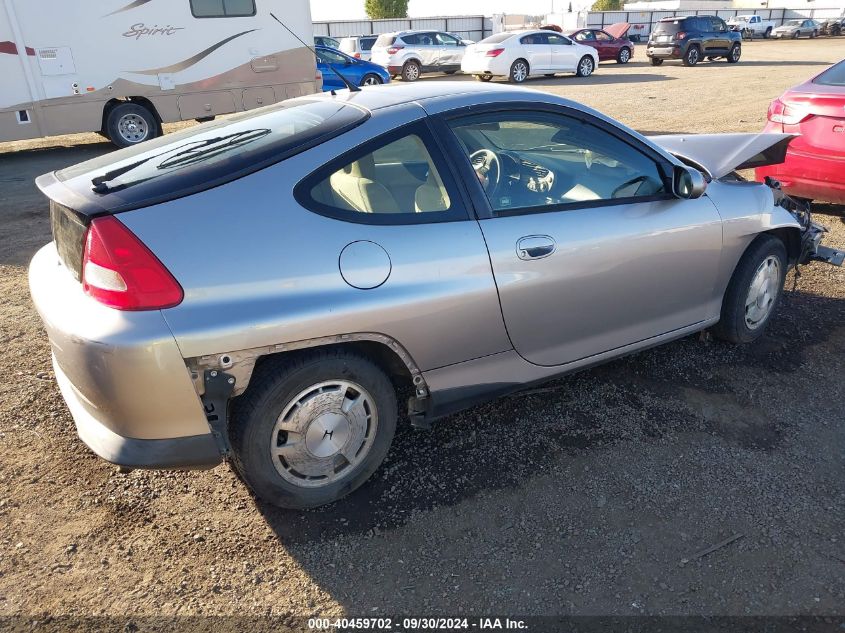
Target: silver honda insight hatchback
{"type": "Point", "coordinates": [266, 289]}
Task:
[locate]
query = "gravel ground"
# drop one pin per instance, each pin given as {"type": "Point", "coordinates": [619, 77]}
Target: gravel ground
{"type": "Point", "coordinates": [596, 494]}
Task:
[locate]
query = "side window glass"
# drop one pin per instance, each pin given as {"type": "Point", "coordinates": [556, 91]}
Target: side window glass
{"type": "Point", "coordinates": [602, 36]}
{"type": "Point", "coordinates": [222, 8]}
{"type": "Point", "coordinates": [397, 178]}
{"type": "Point", "coordinates": [328, 57]}
{"type": "Point", "coordinates": [426, 39]}
{"type": "Point", "coordinates": [446, 40]}
{"type": "Point", "coordinates": [555, 40]}
{"type": "Point", "coordinates": [412, 39]}
{"type": "Point", "coordinates": [585, 36]}
{"type": "Point", "coordinates": [530, 161]}
{"type": "Point", "coordinates": [534, 39]}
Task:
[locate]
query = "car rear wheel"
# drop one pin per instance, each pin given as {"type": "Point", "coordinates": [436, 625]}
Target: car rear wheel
{"type": "Point", "coordinates": [814, 34]}
{"type": "Point", "coordinates": [585, 67]}
{"type": "Point", "coordinates": [734, 54]}
{"type": "Point", "coordinates": [656, 61]}
{"type": "Point", "coordinates": [519, 71]}
{"type": "Point", "coordinates": [411, 71]}
{"type": "Point", "coordinates": [768, 32]}
{"type": "Point", "coordinates": [128, 124]}
{"type": "Point", "coordinates": [370, 80]}
{"type": "Point", "coordinates": [754, 291]}
{"type": "Point", "coordinates": [624, 56]}
{"type": "Point", "coordinates": [483, 77]}
{"type": "Point", "coordinates": [692, 56]}
{"type": "Point", "coordinates": [311, 429]}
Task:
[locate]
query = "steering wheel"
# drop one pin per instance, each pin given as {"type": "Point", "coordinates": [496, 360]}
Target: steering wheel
{"type": "Point", "coordinates": [628, 183]}
{"type": "Point", "coordinates": [488, 168]}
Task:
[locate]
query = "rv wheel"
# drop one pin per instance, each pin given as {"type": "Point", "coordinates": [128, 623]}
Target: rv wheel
{"type": "Point", "coordinates": [129, 124]}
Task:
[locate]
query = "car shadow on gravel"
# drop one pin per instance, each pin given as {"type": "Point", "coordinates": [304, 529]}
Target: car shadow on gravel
{"type": "Point", "coordinates": [695, 385]}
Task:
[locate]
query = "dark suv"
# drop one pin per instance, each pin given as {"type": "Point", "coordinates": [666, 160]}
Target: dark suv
{"type": "Point", "coordinates": [693, 38]}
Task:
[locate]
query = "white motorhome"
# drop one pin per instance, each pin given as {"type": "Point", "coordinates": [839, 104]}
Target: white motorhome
{"type": "Point", "coordinates": [124, 67]}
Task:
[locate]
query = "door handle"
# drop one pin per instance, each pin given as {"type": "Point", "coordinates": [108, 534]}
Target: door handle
{"type": "Point", "coordinates": [535, 247]}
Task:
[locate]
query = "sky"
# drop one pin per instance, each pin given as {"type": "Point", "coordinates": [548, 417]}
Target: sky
{"type": "Point", "coordinates": [354, 9]}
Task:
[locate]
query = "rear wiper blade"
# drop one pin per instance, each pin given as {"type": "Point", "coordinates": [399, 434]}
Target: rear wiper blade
{"type": "Point", "coordinates": [101, 185]}
{"type": "Point", "coordinates": [204, 152]}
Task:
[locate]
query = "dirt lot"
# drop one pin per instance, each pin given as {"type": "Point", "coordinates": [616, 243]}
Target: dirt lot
{"type": "Point", "coordinates": [582, 498]}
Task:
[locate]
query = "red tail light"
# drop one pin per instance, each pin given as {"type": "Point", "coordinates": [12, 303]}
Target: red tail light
{"type": "Point", "coordinates": [779, 112]}
{"type": "Point", "coordinates": [119, 271]}
{"type": "Point", "coordinates": [394, 49]}
{"type": "Point", "coordinates": [680, 35]}
{"type": "Point", "coordinates": [495, 52]}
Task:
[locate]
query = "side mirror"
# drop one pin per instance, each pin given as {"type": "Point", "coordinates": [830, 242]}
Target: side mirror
{"type": "Point", "coordinates": [689, 183]}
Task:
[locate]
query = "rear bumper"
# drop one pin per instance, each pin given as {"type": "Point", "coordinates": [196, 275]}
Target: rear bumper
{"type": "Point", "coordinates": [664, 52]}
{"type": "Point", "coordinates": [121, 374]}
{"type": "Point", "coordinates": [195, 452]}
{"type": "Point", "coordinates": [809, 175]}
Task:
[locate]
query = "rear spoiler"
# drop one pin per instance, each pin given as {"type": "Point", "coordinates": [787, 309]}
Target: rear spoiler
{"type": "Point", "coordinates": [721, 154]}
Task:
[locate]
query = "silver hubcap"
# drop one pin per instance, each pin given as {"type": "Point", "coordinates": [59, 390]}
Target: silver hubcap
{"type": "Point", "coordinates": [325, 431]}
{"type": "Point", "coordinates": [736, 53]}
{"type": "Point", "coordinates": [412, 72]}
{"type": "Point", "coordinates": [763, 292]}
{"type": "Point", "coordinates": [132, 128]}
{"type": "Point", "coordinates": [586, 67]}
{"type": "Point", "coordinates": [624, 55]}
{"type": "Point", "coordinates": [370, 81]}
{"type": "Point", "coordinates": [693, 55]}
{"type": "Point", "coordinates": [520, 71]}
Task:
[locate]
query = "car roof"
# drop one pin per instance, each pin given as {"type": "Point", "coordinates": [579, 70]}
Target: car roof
{"type": "Point", "coordinates": [397, 94]}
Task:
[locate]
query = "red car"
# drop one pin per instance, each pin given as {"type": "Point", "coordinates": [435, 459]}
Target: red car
{"type": "Point", "coordinates": [815, 161]}
{"type": "Point", "coordinates": [610, 43]}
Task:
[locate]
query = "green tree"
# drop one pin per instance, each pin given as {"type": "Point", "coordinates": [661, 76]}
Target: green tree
{"type": "Point", "coordinates": [378, 9]}
{"type": "Point", "coordinates": [607, 5]}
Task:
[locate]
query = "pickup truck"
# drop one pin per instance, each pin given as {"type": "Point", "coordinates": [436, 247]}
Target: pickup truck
{"type": "Point", "coordinates": [751, 25]}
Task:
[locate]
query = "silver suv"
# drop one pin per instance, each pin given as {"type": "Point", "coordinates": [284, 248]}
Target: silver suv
{"type": "Point", "coordinates": [358, 46]}
{"type": "Point", "coordinates": [411, 53]}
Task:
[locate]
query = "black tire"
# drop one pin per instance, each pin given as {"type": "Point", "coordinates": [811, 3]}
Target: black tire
{"type": "Point", "coordinates": [128, 124]}
{"type": "Point", "coordinates": [733, 326]}
{"type": "Point", "coordinates": [768, 32]}
{"type": "Point", "coordinates": [411, 70]}
{"type": "Point", "coordinates": [796, 35]}
{"type": "Point", "coordinates": [519, 71]}
{"type": "Point", "coordinates": [692, 56]}
{"type": "Point", "coordinates": [483, 77]}
{"type": "Point", "coordinates": [734, 54]}
{"type": "Point", "coordinates": [274, 387]}
{"type": "Point", "coordinates": [586, 66]}
{"type": "Point", "coordinates": [549, 75]}
{"type": "Point", "coordinates": [656, 61]}
{"type": "Point", "coordinates": [450, 72]}
{"type": "Point", "coordinates": [370, 79]}
{"type": "Point", "coordinates": [624, 55]}
{"type": "Point", "coordinates": [814, 35]}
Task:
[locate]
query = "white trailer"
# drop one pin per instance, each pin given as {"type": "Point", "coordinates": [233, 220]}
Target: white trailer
{"type": "Point", "coordinates": [124, 67]}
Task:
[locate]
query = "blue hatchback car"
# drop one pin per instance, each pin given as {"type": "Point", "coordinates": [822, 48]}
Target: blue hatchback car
{"type": "Point", "coordinates": [357, 71]}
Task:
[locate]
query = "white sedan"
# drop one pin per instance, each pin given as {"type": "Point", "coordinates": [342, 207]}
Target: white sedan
{"type": "Point", "coordinates": [518, 55]}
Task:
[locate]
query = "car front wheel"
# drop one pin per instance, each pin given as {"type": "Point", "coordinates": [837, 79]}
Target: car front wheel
{"type": "Point", "coordinates": [371, 80]}
{"type": "Point", "coordinates": [754, 291]}
{"type": "Point", "coordinates": [312, 428]}
{"type": "Point", "coordinates": [624, 56]}
{"type": "Point", "coordinates": [585, 67]}
{"type": "Point", "coordinates": [734, 54]}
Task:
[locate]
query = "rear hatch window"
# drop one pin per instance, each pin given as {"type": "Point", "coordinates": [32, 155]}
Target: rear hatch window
{"type": "Point", "coordinates": [204, 156]}
{"type": "Point", "coordinates": [367, 43]}
{"type": "Point", "coordinates": [384, 41]}
{"type": "Point", "coordinates": [669, 27]}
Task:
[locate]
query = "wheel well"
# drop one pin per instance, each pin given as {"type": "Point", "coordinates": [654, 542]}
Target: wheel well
{"type": "Point", "coordinates": [791, 238]}
{"type": "Point", "coordinates": [142, 101]}
{"type": "Point", "coordinates": [380, 354]}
